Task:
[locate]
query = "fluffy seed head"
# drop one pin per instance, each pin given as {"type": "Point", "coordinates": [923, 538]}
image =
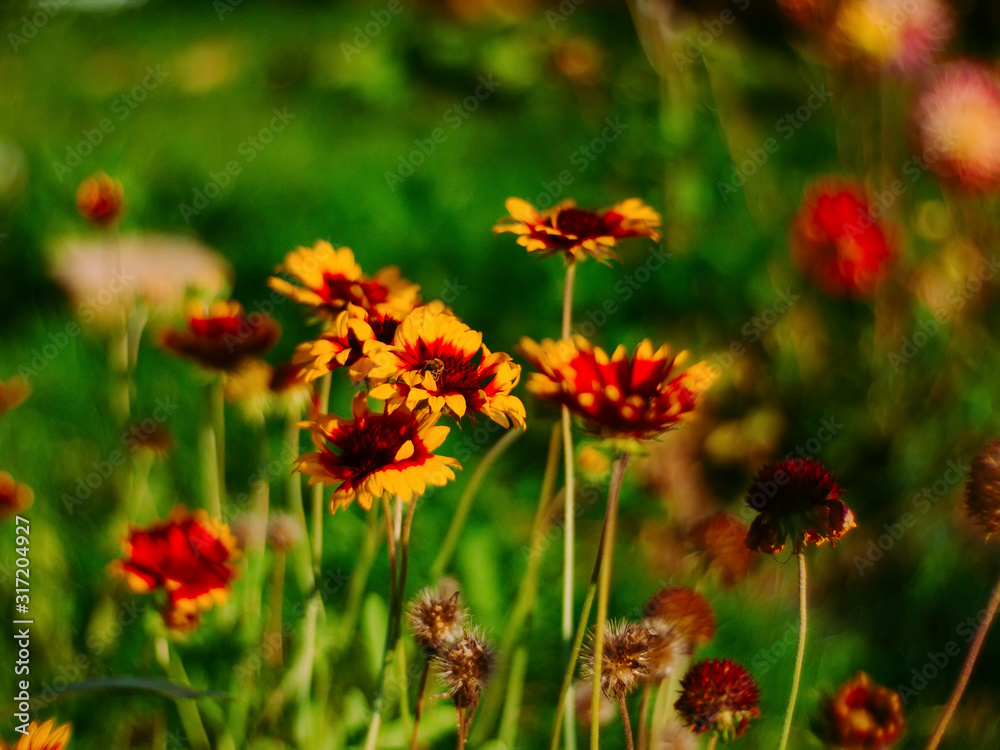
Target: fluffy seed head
{"type": "Point", "coordinates": [436, 618]}
{"type": "Point", "coordinates": [982, 491]}
{"type": "Point", "coordinates": [465, 667]}
{"type": "Point", "coordinates": [627, 660]}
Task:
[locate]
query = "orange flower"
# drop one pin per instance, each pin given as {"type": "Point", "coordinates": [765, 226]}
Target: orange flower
{"type": "Point", "coordinates": [13, 392]}
{"type": "Point", "coordinates": [223, 337]}
{"type": "Point", "coordinates": [14, 498]}
{"type": "Point", "coordinates": [636, 397]}
{"type": "Point", "coordinates": [683, 610]}
{"type": "Point", "coordinates": [43, 737]}
{"type": "Point", "coordinates": [436, 359]}
{"type": "Point", "coordinates": [99, 199]}
{"type": "Point", "coordinates": [376, 454]}
{"type": "Point", "coordinates": [190, 556]}
{"type": "Point", "coordinates": [327, 280]}
{"type": "Point", "coordinates": [862, 716]}
{"type": "Point", "coordinates": [346, 343]}
{"type": "Point", "coordinates": [578, 233]}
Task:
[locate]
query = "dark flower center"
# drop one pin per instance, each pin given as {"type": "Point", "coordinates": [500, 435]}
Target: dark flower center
{"type": "Point", "coordinates": [580, 222]}
{"type": "Point", "coordinates": [337, 291]}
{"type": "Point", "coordinates": [373, 445]}
{"type": "Point", "coordinates": [216, 327]}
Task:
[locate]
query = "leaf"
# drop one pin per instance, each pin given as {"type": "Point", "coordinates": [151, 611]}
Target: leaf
{"type": "Point", "coordinates": [142, 684]}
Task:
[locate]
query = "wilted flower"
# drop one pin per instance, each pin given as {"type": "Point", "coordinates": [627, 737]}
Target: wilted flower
{"type": "Point", "coordinates": [376, 454]}
{"type": "Point", "coordinates": [578, 233]}
{"type": "Point", "coordinates": [627, 659]}
{"type": "Point", "coordinates": [837, 242]}
{"type": "Point", "coordinates": [326, 280]}
{"type": "Point", "coordinates": [346, 343]}
{"type": "Point", "coordinates": [796, 497]}
{"type": "Point", "coordinates": [683, 611]}
{"type": "Point", "coordinates": [718, 695]}
{"type": "Point", "coordinates": [43, 737]}
{"type": "Point", "coordinates": [722, 538]}
{"type": "Point", "coordinates": [14, 498]}
{"type": "Point", "coordinates": [222, 337]}
{"type": "Point", "coordinates": [636, 397]}
{"type": "Point", "coordinates": [13, 392]}
{"type": "Point", "coordinates": [438, 361]}
{"type": "Point", "coordinates": [862, 716]}
{"type": "Point", "coordinates": [190, 557]}
{"type": "Point", "coordinates": [436, 619]}
{"type": "Point", "coordinates": [465, 667]}
{"type": "Point", "coordinates": [982, 491]}
{"type": "Point", "coordinates": [898, 35]}
{"type": "Point", "coordinates": [99, 199]}
{"type": "Point", "coordinates": [956, 120]}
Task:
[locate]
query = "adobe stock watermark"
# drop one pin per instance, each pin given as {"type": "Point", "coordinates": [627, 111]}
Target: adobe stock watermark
{"type": "Point", "coordinates": [624, 289]}
{"type": "Point", "coordinates": [565, 9]}
{"type": "Point", "coordinates": [31, 25]}
{"type": "Point", "coordinates": [121, 108]}
{"type": "Point", "coordinates": [249, 148]}
{"type": "Point", "coordinates": [714, 28]}
{"type": "Point", "coordinates": [454, 116]}
{"type": "Point", "coordinates": [222, 7]}
{"type": "Point", "coordinates": [787, 126]}
{"type": "Point", "coordinates": [363, 34]}
{"type": "Point", "coordinates": [922, 502]}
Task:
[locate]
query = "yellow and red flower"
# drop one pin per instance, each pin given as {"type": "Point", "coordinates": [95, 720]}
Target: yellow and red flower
{"type": "Point", "coordinates": [14, 498]}
{"type": "Point", "coordinates": [837, 242]}
{"type": "Point", "coordinates": [99, 199]}
{"type": "Point", "coordinates": [347, 343]}
{"type": "Point", "coordinates": [190, 557]}
{"type": "Point", "coordinates": [222, 337]}
{"type": "Point", "coordinates": [901, 36]}
{"type": "Point", "coordinates": [718, 695]}
{"type": "Point", "coordinates": [862, 716]}
{"type": "Point", "coordinates": [637, 397]}
{"type": "Point", "coordinates": [43, 737]}
{"type": "Point", "coordinates": [326, 280]}
{"type": "Point", "coordinates": [374, 454]}
{"type": "Point", "coordinates": [437, 360]}
{"type": "Point", "coordinates": [578, 233]}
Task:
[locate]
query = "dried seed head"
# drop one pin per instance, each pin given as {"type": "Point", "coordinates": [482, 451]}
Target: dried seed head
{"type": "Point", "coordinates": [465, 667]}
{"type": "Point", "coordinates": [862, 716]}
{"type": "Point", "coordinates": [627, 659]}
{"type": "Point", "coordinates": [436, 618]}
{"type": "Point", "coordinates": [283, 532]}
{"type": "Point", "coordinates": [668, 650]}
{"type": "Point", "coordinates": [982, 491]}
{"type": "Point", "coordinates": [683, 610]}
{"type": "Point", "coordinates": [718, 695]}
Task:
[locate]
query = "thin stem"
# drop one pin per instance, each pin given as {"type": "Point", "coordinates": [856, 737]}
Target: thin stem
{"type": "Point", "coordinates": [963, 677]}
{"type": "Point", "coordinates": [273, 637]}
{"type": "Point", "coordinates": [800, 652]}
{"type": "Point", "coordinates": [209, 456]}
{"type": "Point", "coordinates": [293, 496]}
{"type": "Point", "coordinates": [390, 536]}
{"type": "Point", "coordinates": [317, 490]}
{"type": "Point", "coordinates": [625, 722]}
{"type": "Point", "coordinates": [713, 741]}
{"type": "Point", "coordinates": [418, 710]}
{"type": "Point", "coordinates": [187, 708]}
{"type": "Point", "coordinates": [358, 582]}
{"type": "Point", "coordinates": [462, 727]}
{"type": "Point", "coordinates": [604, 591]}
{"type": "Point", "coordinates": [454, 533]}
{"type": "Point", "coordinates": [647, 688]}
{"type": "Point", "coordinates": [569, 512]}
{"type": "Point", "coordinates": [218, 417]}
{"type": "Point", "coordinates": [514, 697]}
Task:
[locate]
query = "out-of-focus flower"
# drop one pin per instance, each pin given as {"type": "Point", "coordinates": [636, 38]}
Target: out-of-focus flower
{"type": "Point", "coordinates": [436, 619]}
{"type": "Point", "coordinates": [249, 386]}
{"type": "Point", "coordinates": [637, 397]}
{"type": "Point", "coordinates": [982, 491]}
{"type": "Point", "coordinates": [14, 498]}
{"type": "Point", "coordinates": [580, 60]}
{"type": "Point", "coordinates": [796, 497]}
{"type": "Point", "coordinates": [808, 13]}
{"type": "Point", "coordinates": [291, 386]}
{"type": "Point", "coordinates": [326, 280]}
{"type": "Point", "coordinates": [578, 233]}
{"type": "Point", "coordinates": [899, 35]}
{"type": "Point", "coordinates": [99, 199]}
{"type": "Point", "coordinates": [683, 610]}
{"type": "Point", "coordinates": [437, 360]}
{"type": "Point", "coordinates": [107, 278]}
{"type": "Point", "coordinates": [13, 392]}
{"type": "Point", "coordinates": [837, 243]}
{"type": "Point", "coordinates": [956, 119]}
{"type": "Point", "coordinates": [348, 342]}
{"type": "Point", "coordinates": [43, 737]}
{"type": "Point", "coordinates": [593, 464]}
{"type": "Point", "coordinates": [376, 454]}
{"type": "Point", "coordinates": [283, 532]}
{"type": "Point", "coordinates": [190, 557]}
{"type": "Point", "coordinates": [718, 695]}
{"type": "Point", "coordinates": [627, 658]}
{"type": "Point", "coordinates": [465, 667]}
{"type": "Point", "coordinates": [583, 694]}
{"type": "Point", "coordinates": [862, 716]}
{"type": "Point", "coordinates": [722, 539]}
{"type": "Point", "coordinates": [150, 436]}
{"type": "Point", "coordinates": [949, 282]}
{"type": "Point", "coordinates": [222, 337]}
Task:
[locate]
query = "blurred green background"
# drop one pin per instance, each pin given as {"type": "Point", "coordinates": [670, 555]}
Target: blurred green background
{"type": "Point", "coordinates": [358, 106]}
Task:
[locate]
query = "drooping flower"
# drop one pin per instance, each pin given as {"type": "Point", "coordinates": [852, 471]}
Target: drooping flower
{"type": "Point", "coordinates": [796, 497]}
{"type": "Point", "coordinates": [437, 360]}
{"type": "Point", "coordinates": [348, 342]}
{"type": "Point", "coordinates": [190, 557]}
{"type": "Point", "coordinates": [901, 36]}
{"type": "Point", "coordinates": [837, 242]}
{"type": "Point", "coordinates": [684, 611]}
{"type": "Point", "coordinates": [862, 716]}
{"type": "Point", "coordinates": [222, 337]}
{"type": "Point", "coordinates": [718, 695]}
{"type": "Point", "coordinates": [956, 119]}
{"type": "Point", "coordinates": [13, 392]}
{"type": "Point", "coordinates": [627, 659]}
{"type": "Point", "coordinates": [15, 498]}
{"type": "Point", "coordinates": [43, 737]}
{"type": "Point", "coordinates": [578, 233]}
{"type": "Point", "coordinates": [436, 618]}
{"type": "Point", "coordinates": [465, 667]}
{"type": "Point", "coordinates": [373, 454]}
{"type": "Point", "coordinates": [982, 491]}
{"type": "Point", "coordinates": [636, 397]}
{"type": "Point", "coordinates": [326, 280]}
{"type": "Point", "coordinates": [99, 199]}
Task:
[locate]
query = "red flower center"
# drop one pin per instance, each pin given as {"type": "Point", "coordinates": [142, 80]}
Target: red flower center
{"type": "Point", "coordinates": [374, 443]}
{"type": "Point", "coordinates": [216, 327]}
{"type": "Point", "coordinates": [580, 222]}
{"type": "Point", "coordinates": [338, 290]}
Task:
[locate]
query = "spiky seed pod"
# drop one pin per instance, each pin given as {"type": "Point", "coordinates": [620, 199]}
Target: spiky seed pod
{"type": "Point", "coordinates": [862, 716]}
{"type": "Point", "coordinates": [982, 491]}
{"type": "Point", "coordinates": [436, 618]}
{"type": "Point", "coordinates": [465, 667]}
{"type": "Point", "coordinates": [718, 695]}
{"type": "Point", "coordinates": [627, 660]}
{"type": "Point", "coordinates": [683, 610]}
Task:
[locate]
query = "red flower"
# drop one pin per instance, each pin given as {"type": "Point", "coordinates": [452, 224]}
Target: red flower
{"type": "Point", "coordinates": [222, 338]}
{"type": "Point", "coordinates": [14, 498]}
{"type": "Point", "coordinates": [99, 199]}
{"type": "Point", "coordinates": [190, 557]}
{"type": "Point", "coordinates": [837, 242]}
{"type": "Point", "coordinates": [718, 695]}
{"type": "Point", "coordinates": [863, 716]}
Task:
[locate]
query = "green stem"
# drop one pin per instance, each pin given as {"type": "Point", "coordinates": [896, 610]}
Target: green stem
{"type": "Point", "coordinates": [219, 428]}
{"type": "Point", "coordinates": [569, 512]}
{"type": "Point", "coordinates": [273, 638]}
{"type": "Point", "coordinates": [458, 519]}
{"type": "Point", "coordinates": [712, 742]}
{"type": "Point", "coordinates": [293, 496]}
{"type": "Point", "coordinates": [187, 708]}
{"type": "Point", "coordinates": [515, 693]}
{"type": "Point", "coordinates": [358, 583]}
{"type": "Point", "coordinates": [801, 651]}
{"type": "Point", "coordinates": [966, 673]}
{"type": "Point", "coordinates": [317, 490]}
{"type": "Point", "coordinates": [603, 592]}
{"type": "Point", "coordinates": [209, 451]}
{"type": "Point", "coordinates": [647, 688]}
